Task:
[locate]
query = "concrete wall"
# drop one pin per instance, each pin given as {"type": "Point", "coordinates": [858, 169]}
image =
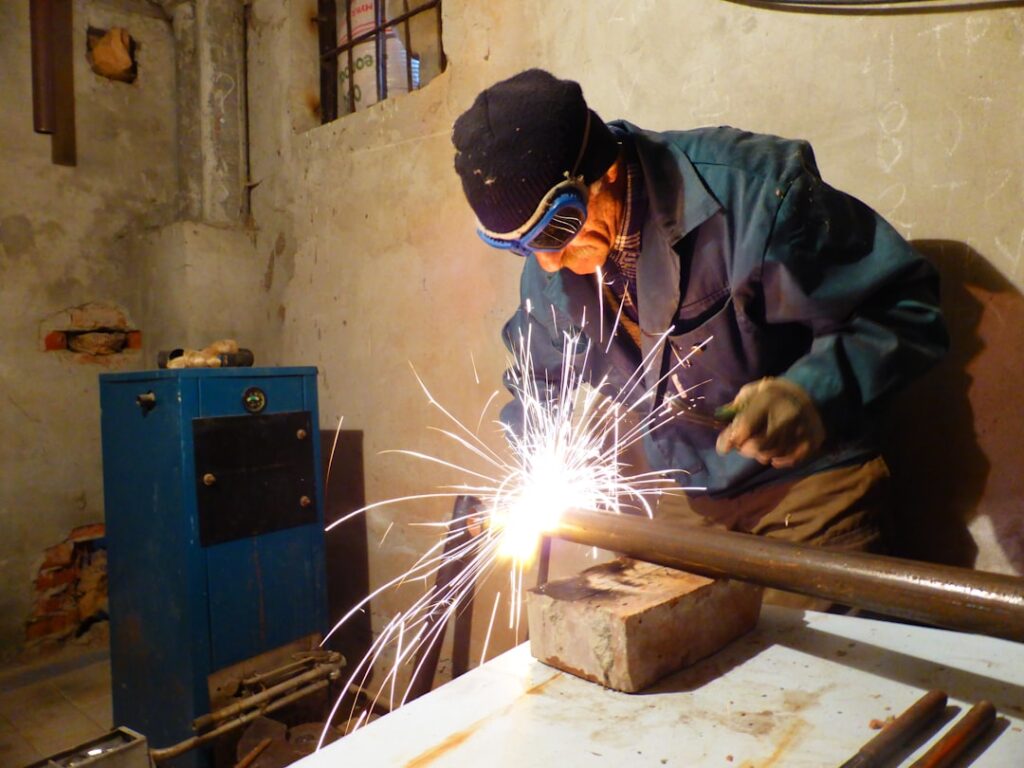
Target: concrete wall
{"type": "Point", "coordinates": [64, 241]}
{"type": "Point", "coordinates": [919, 115]}
{"type": "Point", "coordinates": [362, 257]}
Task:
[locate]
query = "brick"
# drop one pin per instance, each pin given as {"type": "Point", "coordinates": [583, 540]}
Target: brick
{"type": "Point", "coordinates": [58, 602]}
{"type": "Point", "coordinates": [96, 315]}
{"type": "Point", "coordinates": [58, 555]}
{"type": "Point", "coordinates": [55, 577]}
{"type": "Point", "coordinates": [51, 625]}
{"type": "Point", "coordinates": [626, 624]}
{"type": "Point", "coordinates": [97, 342]}
{"type": "Point", "coordinates": [87, 532]}
{"type": "Point", "coordinates": [92, 587]}
{"type": "Point", "coordinates": [55, 340]}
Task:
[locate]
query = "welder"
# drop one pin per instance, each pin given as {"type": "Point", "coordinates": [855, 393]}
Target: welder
{"type": "Point", "coordinates": [733, 275]}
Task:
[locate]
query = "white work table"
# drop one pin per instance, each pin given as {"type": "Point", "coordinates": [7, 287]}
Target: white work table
{"type": "Point", "coordinates": [800, 690]}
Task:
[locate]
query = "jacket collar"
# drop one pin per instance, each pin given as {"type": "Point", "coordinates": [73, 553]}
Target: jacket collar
{"type": "Point", "coordinates": [679, 202]}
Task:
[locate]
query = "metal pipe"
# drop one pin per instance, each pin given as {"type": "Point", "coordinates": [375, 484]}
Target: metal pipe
{"type": "Point", "coordinates": [166, 753]}
{"type": "Point", "coordinates": [955, 598]}
{"type": "Point", "coordinates": [319, 672]}
{"type": "Point", "coordinates": [63, 149]}
{"type": "Point", "coordinates": [380, 49]}
{"type": "Point", "coordinates": [965, 732]}
{"type": "Point", "coordinates": [895, 735]}
{"type": "Point", "coordinates": [43, 105]}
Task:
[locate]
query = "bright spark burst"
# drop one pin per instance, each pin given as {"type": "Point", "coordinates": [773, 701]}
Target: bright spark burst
{"type": "Point", "coordinates": [566, 452]}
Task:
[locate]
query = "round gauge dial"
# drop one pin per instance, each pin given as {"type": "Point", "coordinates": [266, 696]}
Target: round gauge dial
{"type": "Point", "coordinates": [254, 399]}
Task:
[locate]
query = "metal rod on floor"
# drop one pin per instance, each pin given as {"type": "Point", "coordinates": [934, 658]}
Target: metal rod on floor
{"type": "Point", "coordinates": [955, 598]}
{"type": "Point", "coordinates": [166, 753]}
{"type": "Point", "coordinates": [324, 670]}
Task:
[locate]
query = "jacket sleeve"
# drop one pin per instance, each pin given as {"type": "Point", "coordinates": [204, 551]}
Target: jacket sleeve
{"type": "Point", "coordinates": [868, 299]}
{"type": "Point", "coordinates": [546, 364]}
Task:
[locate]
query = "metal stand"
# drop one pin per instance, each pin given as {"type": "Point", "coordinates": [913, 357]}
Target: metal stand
{"type": "Point", "coordinates": [426, 660]}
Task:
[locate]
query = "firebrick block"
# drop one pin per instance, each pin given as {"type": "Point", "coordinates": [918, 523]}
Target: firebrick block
{"type": "Point", "coordinates": [626, 624]}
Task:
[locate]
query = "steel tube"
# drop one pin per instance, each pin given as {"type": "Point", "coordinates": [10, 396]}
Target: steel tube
{"type": "Point", "coordinates": [166, 753]}
{"type": "Point", "coordinates": [323, 670]}
{"type": "Point", "coordinates": [43, 105]}
{"type": "Point", "coordinates": [945, 596]}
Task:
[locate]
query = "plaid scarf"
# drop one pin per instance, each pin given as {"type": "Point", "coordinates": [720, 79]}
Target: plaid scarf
{"type": "Point", "coordinates": [620, 268]}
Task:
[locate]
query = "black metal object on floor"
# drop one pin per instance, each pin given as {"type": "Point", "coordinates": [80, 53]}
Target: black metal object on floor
{"type": "Point", "coordinates": [428, 657]}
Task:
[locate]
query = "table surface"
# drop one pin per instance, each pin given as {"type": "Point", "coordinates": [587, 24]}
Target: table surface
{"type": "Point", "coordinates": [800, 690]}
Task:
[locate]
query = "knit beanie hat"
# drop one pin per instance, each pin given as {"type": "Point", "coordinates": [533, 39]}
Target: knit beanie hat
{"type": "Point", "coordinates": [520, 138]}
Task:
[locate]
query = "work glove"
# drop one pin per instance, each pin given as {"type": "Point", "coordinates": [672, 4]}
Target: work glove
{"type": "Point", "coordinates": [776, 423]}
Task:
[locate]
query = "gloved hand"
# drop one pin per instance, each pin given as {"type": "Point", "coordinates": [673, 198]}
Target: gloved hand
{"type": "Point", "coordinates": [776, 423]}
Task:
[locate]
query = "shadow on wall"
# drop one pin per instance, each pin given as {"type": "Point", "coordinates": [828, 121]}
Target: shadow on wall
{"type": "Point", "coordinates": [956, 436]}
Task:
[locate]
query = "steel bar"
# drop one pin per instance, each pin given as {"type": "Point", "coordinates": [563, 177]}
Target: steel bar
{"type": "Point", "coordinates": [964, 732]}
{"type": "Point", "coordinates": [320, 672]}
{"type": "Point", "coordinates": [327, 38]}
{"type": "Point", "coordinates": [900, 731]}
{"type": "Point", "coordinates": [429, 654]}
{"type": "Point", "coordinates": [349, 52]}
{"type": "Point", "coordinates": [945, 596]}
{"type": "Point", "coordinates": [40, 21]}
{"type": "Point", "coordinates": [166, 753]}
{"type": "Point", "coordinates": [63, 148]}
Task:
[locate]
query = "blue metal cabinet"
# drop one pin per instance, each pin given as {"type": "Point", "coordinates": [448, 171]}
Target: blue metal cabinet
{"type": "Point", "coordinates": [215, 532]}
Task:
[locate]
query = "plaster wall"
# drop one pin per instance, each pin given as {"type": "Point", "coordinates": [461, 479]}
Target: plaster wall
{"type": "Point", "coordinates": [202, 283]}
{"type": "Point", "coordinates": [919, 115]}
{"type": "Point", "coordinates": [64, 242]}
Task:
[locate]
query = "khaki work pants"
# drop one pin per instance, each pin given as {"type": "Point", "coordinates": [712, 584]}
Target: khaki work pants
{"type": "Point", "coordinates": [842, 509]}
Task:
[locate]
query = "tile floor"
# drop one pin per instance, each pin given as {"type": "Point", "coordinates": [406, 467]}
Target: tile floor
{"type": "Point", "coordinates": [52, 705]}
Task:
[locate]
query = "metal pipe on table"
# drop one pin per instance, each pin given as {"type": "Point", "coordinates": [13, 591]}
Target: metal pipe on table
{"type": "Point", "coordinates": [896, 734]}
{"type": "Point", "coordinates": [964, 732]}
{"type": "Point", "coordinates": [945, 596]}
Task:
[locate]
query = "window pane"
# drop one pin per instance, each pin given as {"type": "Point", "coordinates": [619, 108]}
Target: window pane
{"type": "Point", "coordinates": [426, 44]}
{"type": "Point", "coordinates": [412, 51]}
{"type": "Point", "coordinates": [359, 84]}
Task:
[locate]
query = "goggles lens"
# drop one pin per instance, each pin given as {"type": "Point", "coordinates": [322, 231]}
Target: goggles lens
{"type": "Point", "coordinates": [566, 222]}
{"type": "Point", "coordinates": [562, 216]}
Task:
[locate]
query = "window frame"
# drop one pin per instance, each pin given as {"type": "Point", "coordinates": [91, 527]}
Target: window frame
{"type": "Point", "coordinates": [331, 51]}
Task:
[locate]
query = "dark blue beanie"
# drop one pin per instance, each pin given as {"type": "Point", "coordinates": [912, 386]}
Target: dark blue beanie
{"type": "Point", "coordinates": [522, 136]}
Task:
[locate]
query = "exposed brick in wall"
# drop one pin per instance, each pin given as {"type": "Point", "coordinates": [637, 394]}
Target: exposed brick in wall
{"type": "Point", "coordinates": [94, 331]}
{"type": "Point", "coordinates": [70, 587]}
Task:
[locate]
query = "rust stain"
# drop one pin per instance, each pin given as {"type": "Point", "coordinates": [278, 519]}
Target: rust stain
{"type": "Point", "coordinates": [558, 663]}
{"type": "Point", "coordinates": [533, 690]}
{"type": "Point", "coordinates": [440, 750]}
{"type": "Point", "coordinates": [459, 738]}
{"type": "Point", "coordinates": [789, 735]}
{"type": "Point", "coordinates": [312, 103]}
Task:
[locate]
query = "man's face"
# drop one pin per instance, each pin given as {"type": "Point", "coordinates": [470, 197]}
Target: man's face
{"type": "Point", "coordinates": [589, 249]}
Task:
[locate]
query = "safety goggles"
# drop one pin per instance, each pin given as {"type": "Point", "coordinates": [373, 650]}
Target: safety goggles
{"type": "Point", "coordinates": [557, 220]}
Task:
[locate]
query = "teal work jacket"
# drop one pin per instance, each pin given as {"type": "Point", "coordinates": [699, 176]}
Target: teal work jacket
{"type": "Point", "coordinates": [749, 257]}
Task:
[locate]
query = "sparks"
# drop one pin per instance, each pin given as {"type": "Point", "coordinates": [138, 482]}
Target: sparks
{"type": "Point", "coordinates": [566, 452]}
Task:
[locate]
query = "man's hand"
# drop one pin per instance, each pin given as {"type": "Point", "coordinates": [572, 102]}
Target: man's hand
{"type": "Point", "coordinates": [776, 423]}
